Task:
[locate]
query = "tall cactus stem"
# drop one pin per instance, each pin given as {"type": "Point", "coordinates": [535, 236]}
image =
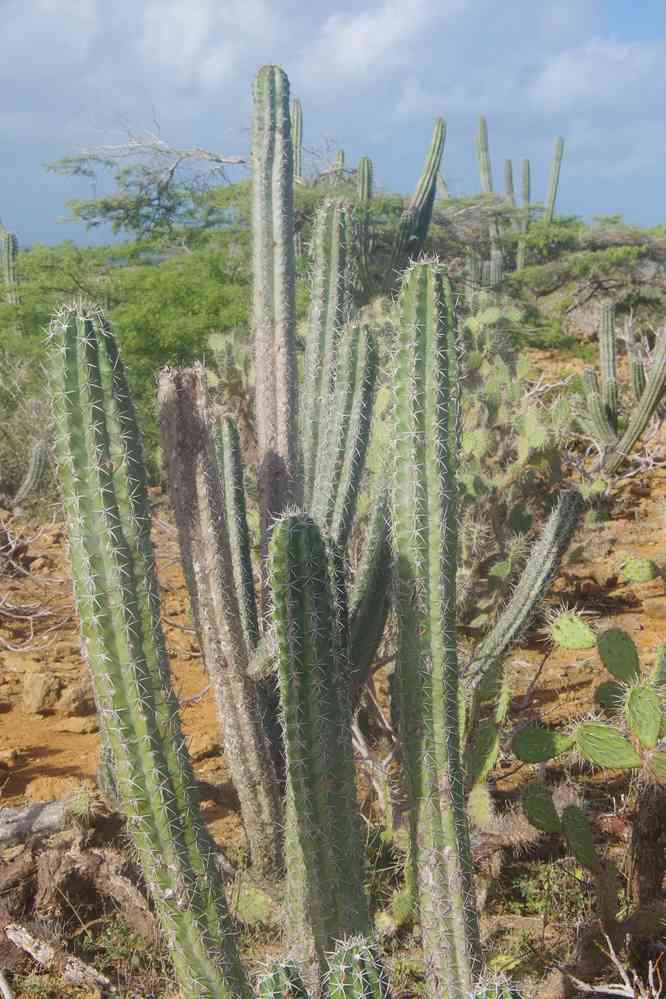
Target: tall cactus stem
{"type": "Point", "coordinates": [297, 138]}
{"type": "Point", "coordinates": [415, 221]}
{"type": "Point", "coordinates": [554, 182]}
{"type": "Point", "coordinates": [608, 362]}
{"type": "Point", "coordinates": [427, 669]}
{"type": "Point", "coordinates": [509, 194]}
{"type": "Point", "coordinates": [274, 317]}
{"type": "Point", "coordinates": [108, 516]}
{"type": "Point", "coordinates": [330, 309]}
{"type": "Point", "coordinates": [483, 153]}
{"type": "Point", "coordinates": [521, 254]}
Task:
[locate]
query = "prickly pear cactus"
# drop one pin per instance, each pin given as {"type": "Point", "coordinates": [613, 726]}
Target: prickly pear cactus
{"type": "Point", "coordinates": [632, 737]}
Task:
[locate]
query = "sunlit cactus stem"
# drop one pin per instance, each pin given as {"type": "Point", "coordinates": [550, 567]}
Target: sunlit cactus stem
{"type": "Point", "coordinates": [331, 306]}
{"type": "Point", "coordinates": [206, 491]}
{"type": "Point", "coordinates": [274, 317]}
{"type": "Point", "coordinates": [427, 669]}
{"type": "Point", "coordinates": [553, 184]}
{"type": "Point", "coordinates": [297, 137]}
{"type": "Point", "coordinates": [608, 360]}
{"type": "Point", "coordinates": [108, 518]}
{"type": "Point", "coordinates": [415, 220]}
{"type": "Point", "coordinates": [364, 193]}
{"type": "Point", "coordinates": [483, 154]}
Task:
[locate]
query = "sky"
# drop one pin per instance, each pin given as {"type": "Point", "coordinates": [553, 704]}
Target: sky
{"type": "Point", "coordinates": [372, 76]}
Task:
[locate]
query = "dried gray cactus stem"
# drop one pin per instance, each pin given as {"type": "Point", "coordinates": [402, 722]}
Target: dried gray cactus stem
{"type": "Point", "coordinates": [108, 517]}
{"type": "Point", "coordinates": [206, 492]}
{"type": "Point", "coordinates": [427, 670]}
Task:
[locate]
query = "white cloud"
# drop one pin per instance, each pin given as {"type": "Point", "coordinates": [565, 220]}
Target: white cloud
{"type": "Point", "coordinates": [601, 74]}
{"type": "Point", "coordinates": [363, 45]}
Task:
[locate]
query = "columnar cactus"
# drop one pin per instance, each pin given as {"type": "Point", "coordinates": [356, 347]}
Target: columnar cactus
{"type": "Point", "coordinates": [324, 849]}
{"type": "Point", "coordinates": [524, 216]}
{"type": "Point", "coordinates": [364, 193]}
{"type": "Point", "coordinates": [415, 220]}
{"type": "Point", "coordinates": [274, 307]}
{"type": "Point", "coordinates": [108, 515]}
{"type": "Point", "coordinates": [483, 153]}
{"type": "Point", "coordinates": [508, 184]}
{"type": "Point", "coordinates": [554, 181]}
{"type": "Point", "coordinates": [425, 414]}
{"type": "Point", "coordinates": [297, 137]}
{"type": "Point", "coordinates": [600, 416]}
{"type": "Point", "coordinates": [331, 308]}
{"type": "Point", "coordinates": [8, 255]}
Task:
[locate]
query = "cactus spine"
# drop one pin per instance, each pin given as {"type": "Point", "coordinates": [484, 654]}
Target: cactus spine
{"type": "Point", "coordinates": [206, 492]}
{"type": "Point", "coordinates": [424, 525]}
{"type": "Point", "coordinates": [274, 308]}
{"type": "Point", "coordinates": [554, 181]}
{"type": "Point", "coordinates": [106, 502]}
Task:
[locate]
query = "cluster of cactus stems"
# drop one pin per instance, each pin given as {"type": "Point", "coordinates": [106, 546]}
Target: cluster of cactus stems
{"type": "Point", "coordinates": [601, 417]}
{"type": "Point", "coordinates": [298, 632]}
{"type": "Point", "coordinates": [521, 223]}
